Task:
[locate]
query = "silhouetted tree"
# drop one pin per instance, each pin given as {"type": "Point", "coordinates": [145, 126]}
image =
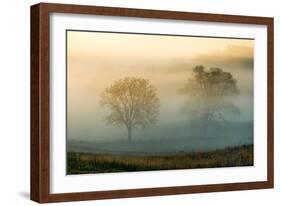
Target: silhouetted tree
{"type": "Point", "coordinates": [133, 102]}
{"type": "Point", "coordinates": [208, 90]}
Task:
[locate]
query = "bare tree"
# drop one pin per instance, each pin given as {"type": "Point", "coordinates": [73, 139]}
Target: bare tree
{"type": "Point", "coordinates": [209, 91]}
{"type": "Point", "coordinates": [133, 102]}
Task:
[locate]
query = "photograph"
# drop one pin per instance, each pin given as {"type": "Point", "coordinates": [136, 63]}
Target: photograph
{"type": "Point", "coordinates": [147, 102]}
{"type": "Point", "coordinates": [132, 102]}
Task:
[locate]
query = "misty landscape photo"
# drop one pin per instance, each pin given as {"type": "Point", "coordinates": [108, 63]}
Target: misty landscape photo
{"type": "Point", "coordinates": [146, 102]}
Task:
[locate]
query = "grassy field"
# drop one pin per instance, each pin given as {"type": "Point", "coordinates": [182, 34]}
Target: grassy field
{"type": "Point", "coordinates": [85, 163]}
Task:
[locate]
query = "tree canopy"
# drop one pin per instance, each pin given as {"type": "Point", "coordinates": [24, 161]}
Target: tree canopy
{"type": "Point", "coordinates": [208, 90]}
{"type": "Point", "coordinates": [133, 102]}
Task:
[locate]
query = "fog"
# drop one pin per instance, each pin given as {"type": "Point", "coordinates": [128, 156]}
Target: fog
{"type": "Point", "coordinates": [167, 62]}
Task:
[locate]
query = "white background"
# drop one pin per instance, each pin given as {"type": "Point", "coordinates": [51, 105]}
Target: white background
{"type": "Point", "coordinates": [14, 104]}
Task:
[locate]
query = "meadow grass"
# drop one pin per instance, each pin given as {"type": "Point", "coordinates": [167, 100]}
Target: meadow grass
{"type": "Point", "coordinates": [84, 163]}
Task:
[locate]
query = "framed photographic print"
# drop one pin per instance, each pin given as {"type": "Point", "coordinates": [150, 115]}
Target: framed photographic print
{"type": "Point", "coordinates": [131, 102]}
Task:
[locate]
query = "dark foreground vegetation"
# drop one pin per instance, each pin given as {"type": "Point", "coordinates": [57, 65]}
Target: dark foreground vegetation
{"type": "Point", "coordinates": [83, 163]}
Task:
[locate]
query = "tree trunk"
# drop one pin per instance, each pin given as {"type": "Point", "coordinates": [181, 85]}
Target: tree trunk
{"type": "Point", "coordinates": [205, 130]}
{"type": "Point", "coordinates": [129, 133]}
{"type": "Point", "coordinates": [205, 125]}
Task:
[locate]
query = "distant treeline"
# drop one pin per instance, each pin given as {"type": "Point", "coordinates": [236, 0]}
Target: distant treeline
{"type": "Point", "coordinates": [84, 163]}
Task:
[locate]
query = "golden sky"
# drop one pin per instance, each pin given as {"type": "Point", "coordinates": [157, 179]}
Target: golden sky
{"type": "Point", "coordinates": [96, 59]}
{"type": "Point", "coordinates": [114, 45]}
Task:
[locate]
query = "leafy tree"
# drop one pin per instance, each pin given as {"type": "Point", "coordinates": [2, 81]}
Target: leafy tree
{"type": "Point", "coordinates": [209, 92]}
{"type": "Point", "coordinates": [133, 102]}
